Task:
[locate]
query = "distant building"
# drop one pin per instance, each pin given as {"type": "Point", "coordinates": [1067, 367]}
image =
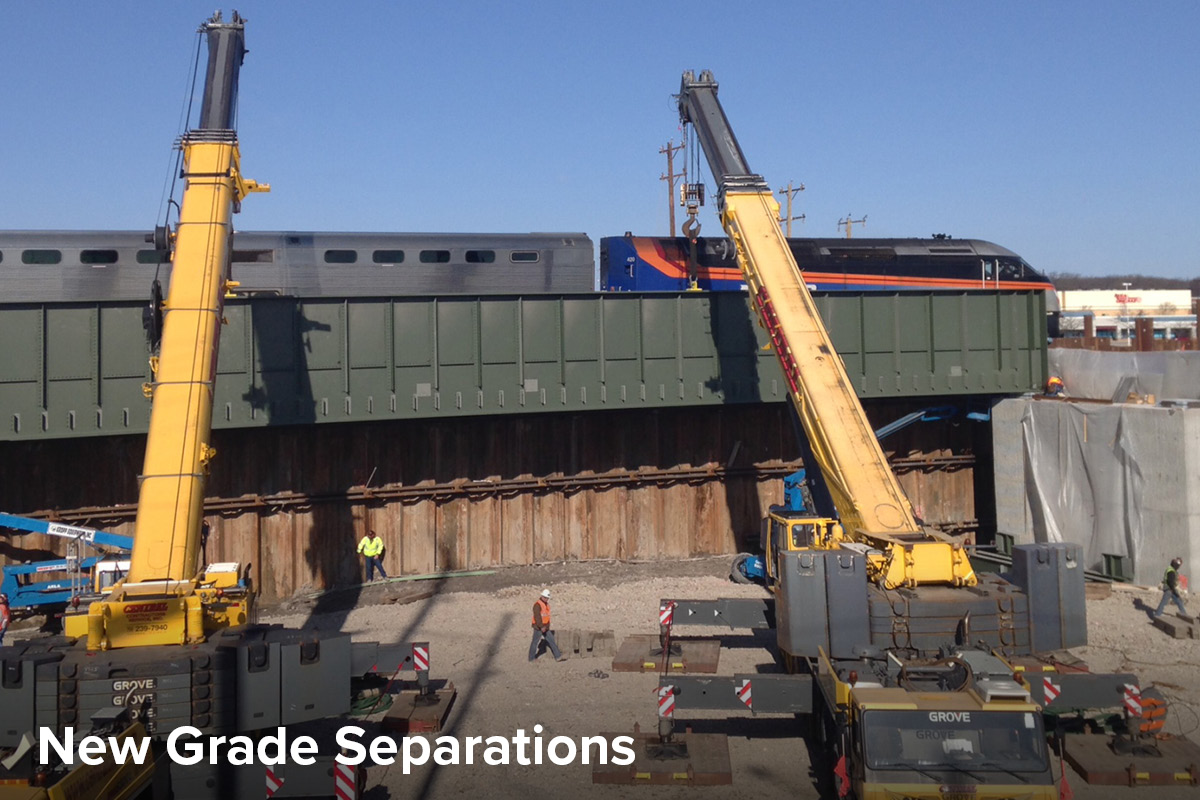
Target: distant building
{"type": "Point", "coordinates": [1128, 302]}
{"type": "Point", "coordinates": [1114, 312]}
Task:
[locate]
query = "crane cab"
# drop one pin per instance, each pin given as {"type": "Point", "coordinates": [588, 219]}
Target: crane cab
{"type": "Point", "coordinates": [786, 529]}
{"type": "Point", "coordinates": [795, 526]}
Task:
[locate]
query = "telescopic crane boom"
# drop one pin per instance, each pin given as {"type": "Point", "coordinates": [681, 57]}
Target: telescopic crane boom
{"type": "Point", "coordinates": [875, 516]}
{"type": "Point", "coordinates": [172, 602]}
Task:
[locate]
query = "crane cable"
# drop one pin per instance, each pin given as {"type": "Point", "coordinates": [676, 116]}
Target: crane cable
{"type": "Point", "coordinates": [168, 199]}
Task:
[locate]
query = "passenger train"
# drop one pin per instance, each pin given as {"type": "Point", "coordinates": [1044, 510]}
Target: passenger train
{"type": "Point", "coordinates": [641, 263]}
{"type": "Point", "coordinates": [120, 265]}
{"type": "Point", "coordinates": [37, 266]}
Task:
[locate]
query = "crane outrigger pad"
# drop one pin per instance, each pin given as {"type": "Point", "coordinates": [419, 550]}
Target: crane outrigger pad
{"type": "Point", "coordinates": [411, 712]}
{"type": "Point", "coordinates": [706, 762]}
{"type": "Point", "coordinates": [643, 653]}
{"type": "Point", "coordinates": [1157, 762]}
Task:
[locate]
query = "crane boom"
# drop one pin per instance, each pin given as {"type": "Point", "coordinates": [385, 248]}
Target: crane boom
{"type": "Point", "coordinates": [170, 511]}
{"type": "Point", "coordinates": [876, 516]}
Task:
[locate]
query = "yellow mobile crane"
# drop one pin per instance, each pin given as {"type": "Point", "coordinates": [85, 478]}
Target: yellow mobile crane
{"type": "Point", "coordinates": [165, 599]}
{"type": "Point", "coordinates": [903, 652]}
{"type": "Point", "coordinates": [172, 648]}
{"type": "Point", "coordinates": [876, 517]}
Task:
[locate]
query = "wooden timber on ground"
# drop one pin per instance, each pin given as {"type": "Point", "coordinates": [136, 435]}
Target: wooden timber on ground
{"type": "Point", "coordinates": [411, 714]}
{"type": "Point", "coordinates": [636, 654]}
{"type": "Point", "coordinates": [1179, 627]}
{"type": "Point", "coordinates": [706, 763]}
{"type": "Point", "coordinates": [1158, 762]}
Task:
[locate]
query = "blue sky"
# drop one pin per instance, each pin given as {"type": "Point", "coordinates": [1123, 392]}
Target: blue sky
{"type": "Point", "coordinates": [1066, 131]}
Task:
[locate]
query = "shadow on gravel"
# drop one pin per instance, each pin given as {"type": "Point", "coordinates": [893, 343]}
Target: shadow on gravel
{"type": "Point", "coordinates": [468, 692]}
{"type": "Point", "coordinates": [473, 686]}
{"type": "Point", "coordinates": [333, 608]}
{"type": "Point", "coordinates": [748, 727]}
{"type": "Point", "coordinates": [755, 640]}
{"type": "Point", "coordinates": [820, 765]}
{"type": "Point", "coordinates": [1144, 607]}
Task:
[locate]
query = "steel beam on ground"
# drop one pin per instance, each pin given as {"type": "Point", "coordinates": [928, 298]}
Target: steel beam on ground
{"type": "Point", "coordinates": [772, 694]}
{"type": "Point", "coordinates": [727, 612]}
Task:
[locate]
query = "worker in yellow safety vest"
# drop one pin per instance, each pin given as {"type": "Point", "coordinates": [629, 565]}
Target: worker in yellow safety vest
{"type": "Point", "coordinates": [541, 629]}
{"type": "Point", "coordinates": [371, 548]}
{"type": "Point", "coordinates": [1171, 588]}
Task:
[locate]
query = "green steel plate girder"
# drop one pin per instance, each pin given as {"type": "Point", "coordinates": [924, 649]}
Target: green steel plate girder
{"type": "Point", "coordinates": [77, 369]}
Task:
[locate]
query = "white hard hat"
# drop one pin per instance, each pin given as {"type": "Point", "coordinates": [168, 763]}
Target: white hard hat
{"type": "Point", "coordinates": [546, 593]}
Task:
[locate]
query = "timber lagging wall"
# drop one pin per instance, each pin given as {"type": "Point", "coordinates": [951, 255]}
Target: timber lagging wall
{"type": "Point", "coordinates": [479, 492]}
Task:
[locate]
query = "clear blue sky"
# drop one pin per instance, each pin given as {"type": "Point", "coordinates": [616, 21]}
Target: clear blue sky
{"type": "Point", "coordinates": [1067, 131]}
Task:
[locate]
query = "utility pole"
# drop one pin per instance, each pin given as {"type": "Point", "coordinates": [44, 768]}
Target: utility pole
{"type": "Point", "coordinates": [670, 177]}
{"type": "Point", "coordinates": [848, 223]}
{"type": "Point", "coordinates": [787, 218]}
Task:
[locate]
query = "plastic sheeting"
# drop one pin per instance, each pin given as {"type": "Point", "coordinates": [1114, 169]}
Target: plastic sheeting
{"type": "Point", "coordinates": [1098, 375]}
{"type": "Point", "coordinates": [1118, 480]}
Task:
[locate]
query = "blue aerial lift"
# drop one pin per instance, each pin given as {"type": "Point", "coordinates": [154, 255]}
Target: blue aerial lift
{"type": "Point", "coordinates": [20, 581]}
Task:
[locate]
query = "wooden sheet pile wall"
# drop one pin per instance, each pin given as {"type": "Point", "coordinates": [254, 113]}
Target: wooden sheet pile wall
{"type": "Point", "coordinates": [475, 493]}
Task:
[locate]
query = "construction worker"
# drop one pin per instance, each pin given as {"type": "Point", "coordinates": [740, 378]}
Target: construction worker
{"type": "Point", "coordinates": [1170, 587]}
{"type": "Point", "coordinates": [371, 548]}
{"type": "Point", "coordinates": [5, 617]}
{"type": "Point", "coordinates": [1055, 387]}
{"type": "Point", "coordinates": [541, 629]}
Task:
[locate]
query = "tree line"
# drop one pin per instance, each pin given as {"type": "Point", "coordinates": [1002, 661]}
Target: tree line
{"type": "Point", "coordinates": [1069, 281]}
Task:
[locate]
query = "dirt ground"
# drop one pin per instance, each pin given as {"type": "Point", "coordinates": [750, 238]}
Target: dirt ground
{"type": "Point", "coordinates": [478, 628]}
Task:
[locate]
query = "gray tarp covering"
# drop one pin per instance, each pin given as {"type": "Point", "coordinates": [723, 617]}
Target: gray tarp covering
{"type": "Point", "coordinates": [1120, 480]}
{"type": "Point", "coordinates": [1098, 375]}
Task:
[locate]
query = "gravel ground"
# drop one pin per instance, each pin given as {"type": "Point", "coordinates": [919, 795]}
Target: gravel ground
{"type": "Point", "coordinates": [479, 632]}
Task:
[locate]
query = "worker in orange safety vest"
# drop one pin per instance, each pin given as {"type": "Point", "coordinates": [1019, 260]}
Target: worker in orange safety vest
{"type": "Point", "coordinates": [541, 629]}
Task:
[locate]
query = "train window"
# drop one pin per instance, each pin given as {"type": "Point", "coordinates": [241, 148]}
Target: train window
{"type": "Point", "coordinates": [341, 256]}
{"type": "Point", "coordinates": [524, 256]}
{"type": "Point", "coordinates": [1, 256]}
{"type": "Point", "coordinates": [481, 256]}
{"type": "Point", "coordinates": [153, 256]}
{"type": "Point", "coordinates": [41, 256]}
{"type": "Point", "coordinates": [98, 257]}
{"type": "Point", "coordinates": [254, 256]}
{"type": "Point", "coordinates": [1011, 269]}
{"type": "Point", "coordinates": [388, 256]}
{"type": "Point", "coordinates": [435, 256]}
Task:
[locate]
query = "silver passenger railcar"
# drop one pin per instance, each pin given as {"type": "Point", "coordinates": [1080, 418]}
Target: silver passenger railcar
{"type": "Point", "coordinates": [38, 266]}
